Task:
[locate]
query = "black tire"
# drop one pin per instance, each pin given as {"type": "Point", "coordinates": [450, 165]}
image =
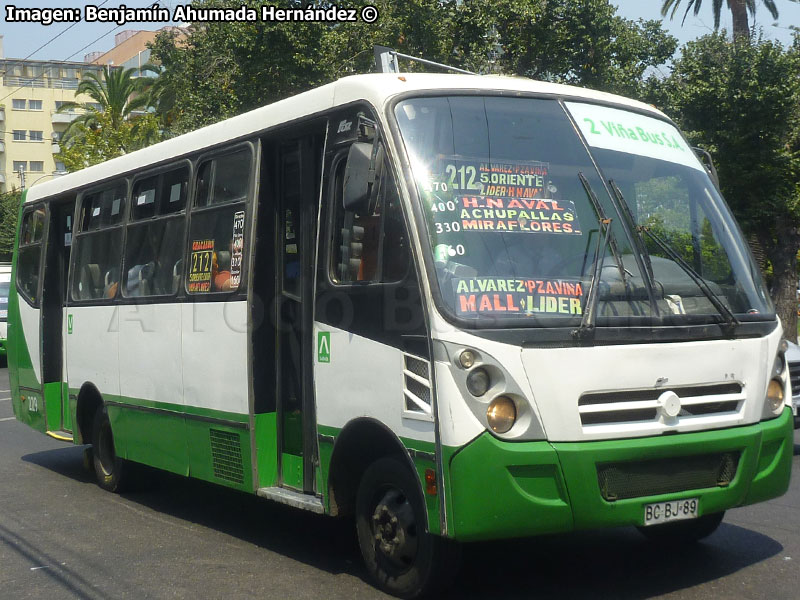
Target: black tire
{"type": "Point", "coordinates": [400, 555]}
{"type": "Point", "coordinates": [111, 471]}
{"type": "Point", "coordinates": [683, 532]}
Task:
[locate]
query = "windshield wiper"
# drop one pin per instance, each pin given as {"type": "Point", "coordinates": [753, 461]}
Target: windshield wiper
{"type": "Point", "coordinates": [637, 239]}
{"type": "Point", "coordinates": [601, 217]}
{"type": "Point", "coordinates": [604, 240]}
{"type": "Point", "coordinates": [639, 244]}
{"type": "Point", "coordinates": [731, 322]}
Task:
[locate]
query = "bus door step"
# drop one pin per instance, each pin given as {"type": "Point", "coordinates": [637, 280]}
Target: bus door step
{"type": "Point", "coordinates": [60, 436]}
{"type": "Point", "coordinates": [292, 498]}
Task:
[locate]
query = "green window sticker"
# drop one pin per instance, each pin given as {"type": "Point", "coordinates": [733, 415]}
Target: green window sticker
{"type": "Point", "coordinates": [69, 324]}
{"type": "Point", "coordinates": [324, 347]}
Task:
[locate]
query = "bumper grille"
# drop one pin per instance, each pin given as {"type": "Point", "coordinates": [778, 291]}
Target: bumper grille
{"type": "Point", "coordinates": [619, 481]}
{"type": "Point", "coordinates": [794, 377]}
{"type": "Point", "coordinates": [642, 405]}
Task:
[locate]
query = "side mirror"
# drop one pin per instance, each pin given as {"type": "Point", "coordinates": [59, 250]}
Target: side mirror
{"type": "Point", "coordinates": [708, 163]}
{"type": "Point", "coordinates": [364, 163]}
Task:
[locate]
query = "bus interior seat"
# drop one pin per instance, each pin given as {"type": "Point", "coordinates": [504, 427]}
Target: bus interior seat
{"type": "Point", "coordinates": [176, 275]}
{"type": "Point", "coordinates": [91, 284]}
{"type": "Point", "coordinates": [139, 282]}
{"type": "Point", "coordinates": [111, 283]}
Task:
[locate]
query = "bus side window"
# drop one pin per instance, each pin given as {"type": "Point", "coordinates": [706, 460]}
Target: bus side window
{"type": "Point", "coordinates": [216, 237]}
{"type": "Point", "coordinates": [98, 244]}
{"type": "Point", "coordinates": [154, 248]}
{"type": "Point", "coordinates": [32, 227]}
{"type": "Point", "coordinates": [30, 252]}
{"type": "Point", "coordinates": [369, 246]}
{"type": "Point", "coordinates": [224, 179]}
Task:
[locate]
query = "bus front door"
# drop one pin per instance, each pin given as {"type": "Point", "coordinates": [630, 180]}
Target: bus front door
{"type": "Point", "coordinates": [297, 206]}
{"type": "Point", "coordinates": [53, 325]}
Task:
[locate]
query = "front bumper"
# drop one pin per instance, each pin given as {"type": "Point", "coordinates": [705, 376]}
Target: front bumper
{"type": "Point", "coordinates": [504, 489]}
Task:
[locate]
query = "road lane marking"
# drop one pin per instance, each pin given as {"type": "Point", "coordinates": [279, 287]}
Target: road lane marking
{"type": "Point", "coordinates": [8, 419]}
{"type": "Point", "coordinates": [4, 399]}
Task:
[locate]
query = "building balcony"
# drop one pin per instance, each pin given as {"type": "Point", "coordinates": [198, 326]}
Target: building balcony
{"type": "Point", "coordinates": [56, 148]}
{"type": "Point", "coordinates": [63, 117]}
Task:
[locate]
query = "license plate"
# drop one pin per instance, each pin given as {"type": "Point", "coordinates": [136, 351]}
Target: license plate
{"type": "Point", "coordinates": [664, 512]}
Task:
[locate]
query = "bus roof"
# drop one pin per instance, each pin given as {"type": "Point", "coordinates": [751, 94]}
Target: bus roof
{"type": "Point", "coordinates": [376, 88]}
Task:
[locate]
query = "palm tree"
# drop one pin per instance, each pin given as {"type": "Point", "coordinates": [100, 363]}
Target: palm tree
{"type": "Point", "coordinates": [739, 10]}
{"type": "Point", "coordinates": [118, 93]}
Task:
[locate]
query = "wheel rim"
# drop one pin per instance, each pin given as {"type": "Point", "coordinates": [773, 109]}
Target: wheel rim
{"type": "Point", "coordinates": [105, 449]}
{"type": "Point", "coordinates": [394, 530]}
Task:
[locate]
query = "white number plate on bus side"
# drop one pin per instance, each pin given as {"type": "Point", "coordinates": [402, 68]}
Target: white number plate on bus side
{"type": "Point", "coordinates": [664, 512]}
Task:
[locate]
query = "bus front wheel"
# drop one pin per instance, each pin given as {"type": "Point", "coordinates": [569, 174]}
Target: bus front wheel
{"type": "Point", "coordinates": [683, 532]}
{"type": "Point", "coordinates": [109, 468]}
{"type": "Point", "coordinates": [403, 558]}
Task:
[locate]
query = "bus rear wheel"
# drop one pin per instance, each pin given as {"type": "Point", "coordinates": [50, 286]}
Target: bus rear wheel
{"type": "Point", "coordinates": [111, 471]}
{"type": "Point", "coordinates": [683, 532]}
{"type": "Point", "coordinates": [401, 556]}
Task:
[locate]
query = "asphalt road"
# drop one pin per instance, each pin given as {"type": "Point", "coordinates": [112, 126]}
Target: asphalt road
{"type": "Point", "coordinates": [63, 537]}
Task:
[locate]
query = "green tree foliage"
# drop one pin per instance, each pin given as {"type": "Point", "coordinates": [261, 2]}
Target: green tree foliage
{"type": "Point", "coordinates": [118, 93]}
{"type": "Point", "coordinates": [581, 42]}
{"type": "Point", "coordinates": [9, 209]}
{"type": "Point", "coordinates": [223, 69]}
{"type": "Point", "coordinates": [738, 8]}
{"type": "Point", "coordinates": [114, 128]}
{"type": "Point", "coordinates": [101, 141]}
{"type": "Point", "coordinates": [742, 102]}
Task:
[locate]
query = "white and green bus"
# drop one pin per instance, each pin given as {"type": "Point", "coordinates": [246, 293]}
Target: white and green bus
{"type": "Point", "coordinates": [457, 307]}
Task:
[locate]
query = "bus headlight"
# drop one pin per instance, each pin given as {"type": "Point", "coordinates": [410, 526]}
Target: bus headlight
{"type": "Point", "coordinates": [501, 414]}
{"type": "Point", "coordinates": [478, 382]}
{"type": "Point", "coordinates": [775, 396]}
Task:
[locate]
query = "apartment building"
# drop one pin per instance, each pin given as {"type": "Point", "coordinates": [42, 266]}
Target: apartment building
{"type": "Point", "coordinates": [31, 91]}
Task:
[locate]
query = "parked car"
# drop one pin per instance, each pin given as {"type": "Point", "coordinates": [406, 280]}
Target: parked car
{"type": "Point", "coordinates": [793, 360]}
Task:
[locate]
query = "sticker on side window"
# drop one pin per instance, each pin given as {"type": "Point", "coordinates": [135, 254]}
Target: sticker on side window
{"type": "Point", "coordinates": [237, 249]}
{"type": "Point", "coordinates": [201, 266]}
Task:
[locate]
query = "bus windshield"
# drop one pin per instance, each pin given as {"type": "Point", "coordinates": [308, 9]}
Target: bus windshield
{"type": "Point", "coordinates": [524, 217]}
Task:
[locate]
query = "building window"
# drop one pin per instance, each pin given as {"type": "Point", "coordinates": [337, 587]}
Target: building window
{"type": "Point", "coordinates": [60, 166]}
{"type": "Point", "coordinates": [19, 135]}
{"type": "Point", "coordinates": [34, 105]}
{"type": "Point", "coordinates": [96, 105]}
{"type": "Point", "coordinates": [18, 104]}
{"type": "Point", "coordinates": [20, 165]}
{"type": "Point", "coordinates": [37, 166]}
{"type": "Point", "coordinates": [36, 136]}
